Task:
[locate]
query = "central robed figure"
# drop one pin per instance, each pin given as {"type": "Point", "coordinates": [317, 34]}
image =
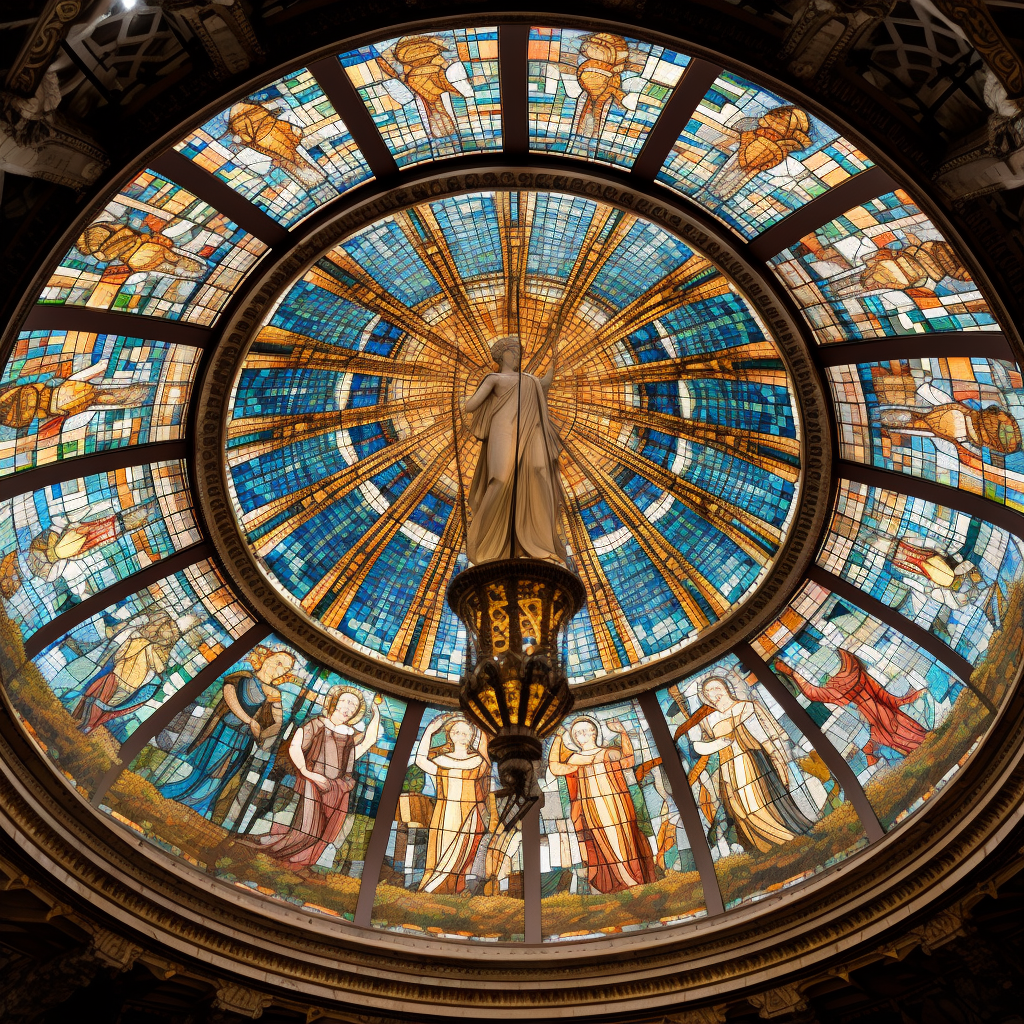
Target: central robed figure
{"type": "Point", "coordinates": [508, 418]}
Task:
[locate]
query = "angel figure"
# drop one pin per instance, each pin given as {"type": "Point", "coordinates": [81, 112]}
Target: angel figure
{"type": "Point", "coordinates": [56, 403]}
{"type": "Point", "coordinates": [910, 401]}
{"type": "Point", "coordinates": [607, 73]}
{"type": "Point", "coordinates": [416, 70]}
{"type": "Point", "coordinates": [50, 551]}
{"type": "Point", "coordinates": [274, 141]}
{"type": "Point", "coordinates": [128, 250]}
{"type": "Point", "coordinates": [760, 144]}
{"type": "Point", "coordinates": [137, 653]}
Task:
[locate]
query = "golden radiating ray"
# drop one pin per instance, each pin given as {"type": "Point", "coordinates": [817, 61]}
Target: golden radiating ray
{"type": "Point", "coordinates": [726, 364]}
{"type": "Point", "coordinates": [753, 446]}
{"type": "Point", "coordinates": [599, 591]}
{"type": "Point", "coordinates": [515, 241]}
{"type": "Point", "coordinates": [696, 280]}
{"type": "Point", "coordinates": [437, 258]}
{"type": "Point", "coordinates": [285, 430]}
{"type": "Point", "coordinates": [364, 291]}
{"type": "Point", "coordinates": [310, 354]}
{"type": "Point", "coordinates": [716, 510]}
{"type": "Point", "coordinates": [309, 500]}
{"type": "Point", "coordinates": [429, 600]}
{"type": "Point", "coordinates": [591, 258]}
{"type": "Point", "coordinates": [355, 564]}
{"type": "Point", "coordinates": [672, 565]}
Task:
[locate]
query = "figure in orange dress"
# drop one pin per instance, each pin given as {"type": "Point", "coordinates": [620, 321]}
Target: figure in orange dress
{"type": "Point", "coordinates": [617, 854]}
{"type": "Point", "coordinates": [889, 726]}
{"type": "Point", "coordinates": [259, 129]}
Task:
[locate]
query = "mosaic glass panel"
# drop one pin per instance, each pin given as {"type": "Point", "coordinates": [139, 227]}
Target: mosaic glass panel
{"type": "Point", "coordinates": [879, 270]}
{"type": "Point", "coordinates": [283, 147]}
{"type": "Point", "coordinates": [156, 250]}
{"type": "Point", "coordinates": [952, 574]}
{"type": "Point", "coordinates": [431, 96]}
{"type": "Point", "coordinates": [903, 721]}
{"type": "Point", "coordinates": [269, 780]}
{"type": "Point", "coordinates": [341, 433]}
{"type": "Point", "coordinates": [614, 855]}
{"type": "Point", "coordinates": [69, 393]}
{"type": "Point", "coordinates": [955, 421]}
{"type": "Point", "coordinates": [597, 95]}
{"type": "Point", "coordinates": [90, 690]}
{"type": "Point", "coordinates": [772, 812]}
{"type": "Point", "coordinates": [751, 157]}
{"type": "Point", "coordinates": [446, 872]}
{"type": "Point", "coordinates": [62, 544]}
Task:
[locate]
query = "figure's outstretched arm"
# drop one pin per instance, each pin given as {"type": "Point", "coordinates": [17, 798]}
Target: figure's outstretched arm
{"type": "Point", "coordinates": [478, 399]}
{"type": "Point", "coordinates": [545, 381]}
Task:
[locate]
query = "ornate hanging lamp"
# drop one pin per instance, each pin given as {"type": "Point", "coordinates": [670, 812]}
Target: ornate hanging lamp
{"type": "Point", "coordinates": [514, 685]}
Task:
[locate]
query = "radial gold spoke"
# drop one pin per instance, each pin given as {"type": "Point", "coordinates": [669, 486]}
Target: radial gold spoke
{"type": "Point", "coordinates": [308, 501]}
{"type": "Point", "coordinates": [309, 354]}
{"type": "Point", "coordinates": [428, 601]}
{"type": "Point", "coordinates": [695, 280]}
{"type": "Point", "coordinates": [672, 564]}
{"type": "Point", "coordinates": [284, 430]}
{"type": "Point", "coordinates": [600, 592]}
{"type": "Point", "coordinates": [758, 362]}
{"type": "Point", "coordinates": [355, 564]}
{"type": "Point", "coordinates": [515, 240]}
{"type": "Point", "coordinates": [777, 455]}
{"type": "Point", "coordinates": [364, 291]}
{"type": "Point", "coordinates": [437, 258]}
{"type": "Point", "coordinates": [591, 258]}
{"type": "Point", "coordinates": [722, 514]}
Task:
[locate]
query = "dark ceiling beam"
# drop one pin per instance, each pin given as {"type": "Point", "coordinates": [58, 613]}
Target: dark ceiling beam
{"type": "Point", "coordinates": [398, 766]}
{"type": "Point", "coordinates": [79, 613]}
{"type": "Point", "coordinates": [161, 718]}
{"type": "Point", "coordinates": [834, 760]}
{"type": "Point", "coordinates": [224, 199]}
{"type": "Point", "coordinates": [941, 345]}
{"type": "Point", "coordinates": [679, 784]}
{"type": "Point", "coordinates": [513, 65]}
{"type": "Point", "coordinates": [88, 465]}
{"type": "Point", "coordinates": [48, 317]}
{"type": "Point", "coordinates": [331, 77]}
{"type": "Point", "coordinates": [855, 191]}
{"type": "Point", "coordinates": [698, 77]}
{"type": "Point", "coordinates": [533, 923]}
{"type": "Point", "coordinates": [928, 642]}
{"type": "Point", "coordinates": [939, 494]}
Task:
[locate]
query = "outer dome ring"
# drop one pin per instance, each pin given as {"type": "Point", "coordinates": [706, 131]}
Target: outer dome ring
{"type": "Point", "coordinates": [675, 216]}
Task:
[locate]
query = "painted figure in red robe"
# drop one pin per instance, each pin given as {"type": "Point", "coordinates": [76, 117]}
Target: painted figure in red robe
{"type": "Point", "coordinates": [890, 726]}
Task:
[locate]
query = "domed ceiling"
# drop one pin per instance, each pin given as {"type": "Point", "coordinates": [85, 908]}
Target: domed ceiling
{"type": "Point", "coordinates": [350, 455]}
{"type": "Point", "coordinates": [256, 351]}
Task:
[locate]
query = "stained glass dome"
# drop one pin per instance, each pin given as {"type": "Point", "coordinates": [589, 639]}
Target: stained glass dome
{"type": "Point", "coordinates": [350, 454]}
{"type": "Point", "coordinates": [235, 456]}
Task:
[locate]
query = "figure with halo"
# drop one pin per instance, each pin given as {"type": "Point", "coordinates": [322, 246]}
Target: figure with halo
{"type": "Point", "coordinates": [461, 771]}
{"type": "Point", "coordinates": [617, 853]}
{"type": "Point", "coordinates": [510, 417]}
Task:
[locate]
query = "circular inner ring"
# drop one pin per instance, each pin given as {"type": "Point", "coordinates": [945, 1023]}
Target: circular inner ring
{"type": "Point", "coordinates": [352, 460]}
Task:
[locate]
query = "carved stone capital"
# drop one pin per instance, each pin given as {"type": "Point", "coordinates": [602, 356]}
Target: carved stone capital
{"type": "Point", "coordinates": [240, 999]}
{"type": "Point", "coordinates": [114, 950]}
{"type": "Point", "coordinates": [785, 1001]}
{"type": "Point", "coordinates": [823, 31]}
{"type": "Point", "coordinates": [702, 1015]}
{"type": "Point", "coordinates": [944, 927]}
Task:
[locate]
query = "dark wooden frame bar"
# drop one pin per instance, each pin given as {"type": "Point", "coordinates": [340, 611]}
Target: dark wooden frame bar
{"type": "Point", "coordinates": [513, 52]}
{"type": "Point", "coordinates": [48, 317]}
{"type": "Point", "coordinates": [941, 345]}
